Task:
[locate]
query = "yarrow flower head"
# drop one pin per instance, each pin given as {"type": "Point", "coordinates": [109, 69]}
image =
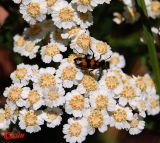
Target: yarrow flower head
{"type": "Point", "coordinates": [52, 51]}
{"type": "Point", "coordinates": [93, 93]}
{"type": "Point", "coordinates": [33, 10]}
{"type": "Point", "coordinates": [69, 74]}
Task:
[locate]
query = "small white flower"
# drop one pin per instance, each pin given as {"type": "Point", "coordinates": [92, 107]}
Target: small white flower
{"type": "Point", "coordinates": [33, 10]}
{"type": "Point", "coordinates": [19, 43]}
{"type": "Point", "coordinates": [120, 117]}
{"type": "Point", "coordinates": [54, 97]}
{"type": "Point", "coordinates": [10, 114]}
{"type": "Point", "coordinates": [117, 61]}
{"type": "Point", "coordinates": [88, 84]}
{"type": "Point", "coordinates": [75, 130]}
{"type": "Point", "coordinates": [69, 74]}
{"type": "Point", "coordinates": [81, 43]}
{"type": "Point", "coordinates": [140, 83]}
{"type": "Point", "coordinates": [84, 20]}
{"type": "Point", "coordinates": [14, 95]}
{"type": "Point", "coordinates": [101, 50]}
{"type": "Point", "coordinates": [52, 117]}
{"type": "Point", "coordinates": [153, 9]}
{"type": "Point", "coordinates": [97, 119]}
{"type": "Point", "coordinates": [51, 4]}
{"type": "Point", "coordinates": [153, 105]}
{"type": "Point", "coordinates": [64, 15]}
{"type": "Point", "coordinates": [101, 99]}
{"type": "Point", "coordinates": [30, 121]}
{"type": "Point", "coordinates": [52, 52]}
{"type": "Point", "coordinates": [30, 50]}
{"type": "Point", "coordinates": [136, 125]}
{"type": "Point", "coordinates": [4, 123]}
{"type": "Point", "coordinates": [22, 74]}
{"type": "Point", "coordinates": [128, 94]}
{"type": "Point", "coordinates": [76, 103]}
{"type": "Point", "coordinates": [111, 82]}
{"type": "Point", "coordinates": [85, 5]}
{"type": "Point", "coordinates": [34, 98]}
{"type": "Point", "coordinates": [35, 32]}
{"type": "Point", "coordinates": [46, 78]}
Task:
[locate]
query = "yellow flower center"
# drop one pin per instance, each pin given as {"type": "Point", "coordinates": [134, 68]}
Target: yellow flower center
{"type": "Point", "coordinates": [52, 50]}
{"type": "Point", "coordinates": [34, 9]}
{"type": "Point", "coordinates": [84, 41]}
{"type": "Point", "coordinates": [74, 31]}
{"type": "Point", "coordinates": [21, 73]}
{"type": "Point", "coordinates": [66, 14]}
{"type": "Point", "coordinates": [71, 58]}
{"type": "Point", "coordinates": [85, 2]}
{"type": "Point", "coordinates": [30, 118]}
{"type": "Point", "coordinates": [50, 3]}
{"type": "Point", "coordinates": [89, 83]}
{"type": "Point", "coordinates": [83, 16]}
{"type": "Point", "coordinates": [95, 119]}
{"type": "Point", "coordinates": [15, 94]}
{"type": "Point", "coordinates": [75, 129]}
{"type": "Point", "coordinates": [33, 96]}
{"type": "Point", "coordinates": [101, 102]}
{"type": "Point", "coordinates": [51, 115]}
{"type": "Point", "coordinates": [29, 47]}
{"type": "Point", "coordinates": [128, 92]}
{"type": "Point", "coordinates": [7, 112]}
{"type": "Point", "coordinates": [155, 6]}
{"type": "Point", "coordinates": [47, 80]}
{"type": "Point", "coordinates": [53, 95]}
{"type": "Point", "coordinates": [101, 47]}
{"type": "Point", "coordinates": [77, 102]}
{"type": "Point", "coordinates": [134, 123]}
{"type": "Point", "coordinates": [154, 103]}
{"type": "Point", "coordinates": [35, 30]}
{"type": "Point", "coordinates": [20, 41]}
{"type": "Point", "coordinates": [114, 60]}
{"type": "Point", "coordinates": [120, 115]}
{"type": "Point", "coordinates": [69, 73]}
{"type": "Point", "coordinates": [2, 117]}
{"type": "Point", "coordinates": [111, 82]}
{"type": "Point", "coordinates": [140, 83]}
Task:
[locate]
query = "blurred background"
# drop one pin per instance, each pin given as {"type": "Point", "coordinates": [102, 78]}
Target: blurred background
{"type": "Point", "coordinates": [124, 38]}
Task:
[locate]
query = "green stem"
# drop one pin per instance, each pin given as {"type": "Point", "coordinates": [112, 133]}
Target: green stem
{"type": "Point", "coordinates": [150, 42]}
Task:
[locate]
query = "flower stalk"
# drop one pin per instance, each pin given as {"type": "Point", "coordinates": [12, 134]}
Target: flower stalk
{"type": "Point", "coordinates": [150, 42]}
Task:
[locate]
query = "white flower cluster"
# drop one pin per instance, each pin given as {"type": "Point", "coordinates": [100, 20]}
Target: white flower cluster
{"type": "Point", "coordinates": [117, 100]}
{"type": "Point", "coordinates": [40, 96]}
{"type": "Point", "coordinates": [131, 15]}
{"type": "Point", "coordinates": [64, 14]}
